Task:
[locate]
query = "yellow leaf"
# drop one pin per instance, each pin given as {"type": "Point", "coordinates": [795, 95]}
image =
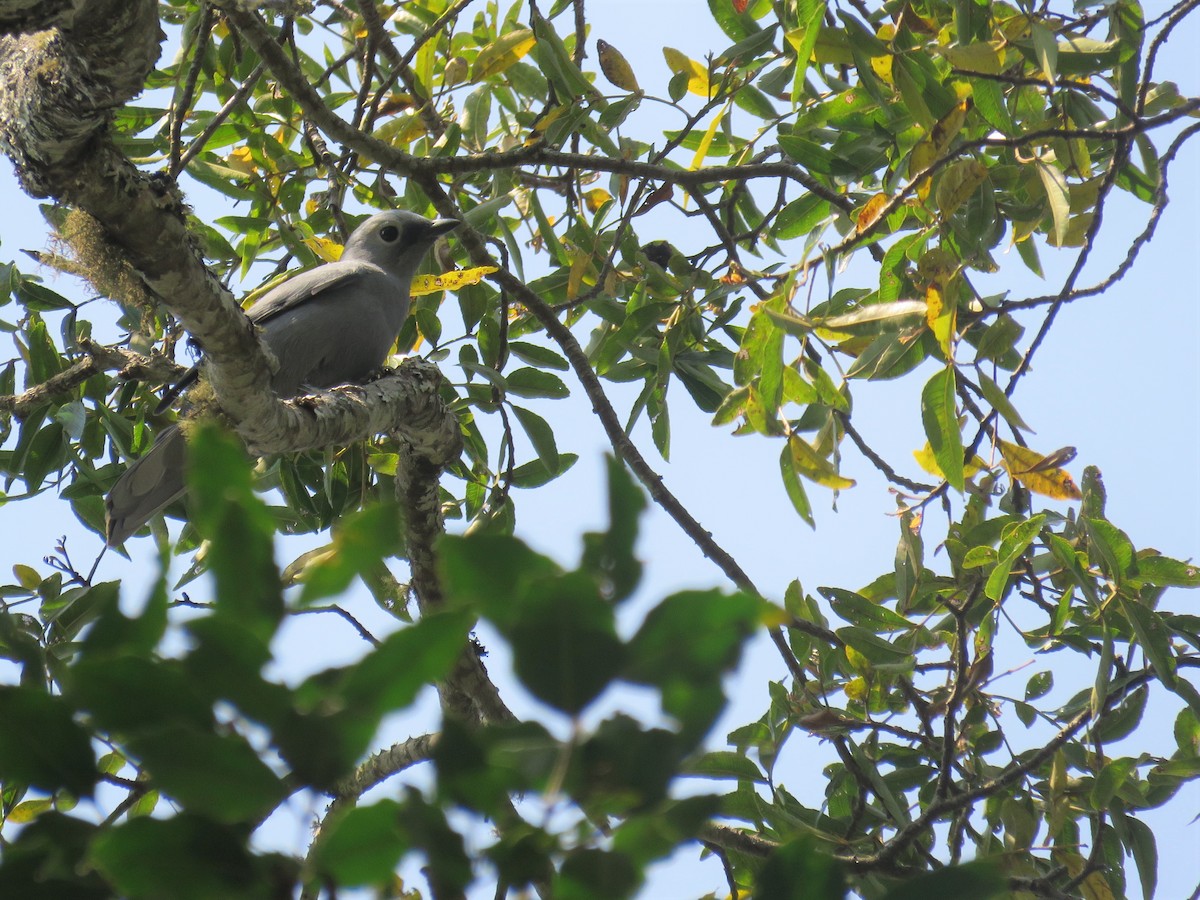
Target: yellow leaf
{"type": "Point", "coordinates": [311, 205]}
{"type": "Point", "coordinates": [869, 214]}
{"type": "Point", "coordinates": [327, 250]}
{"type": "Point", "coordinates": [616, 67]}
{"type": "Point", "coordinates": [857, 688]}
{"type": "Point", "coordinates": [940, 316]}
{"type": "Point", "coordinates": [882, 67]}
{"type": "Point", "coordinates": [241, 160]}
{"type": "Point", "coordinates": [1022, 462]}
{"type": "Point", "coordinates": [680, 64]}
{"type": "Point", "coordinates": [502, 53]}
{"type": "Point", "coordinates": [596, 198]}
{"type": "Point", "coordinates": [449, 281]}
{"type": "Point", "coordinates": [927, 461]}
{"type": "Point", "coordinates": [707, 139]}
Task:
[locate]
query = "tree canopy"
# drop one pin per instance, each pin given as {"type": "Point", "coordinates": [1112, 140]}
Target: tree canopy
{"type": "Point", "coordinates": [688, 239]}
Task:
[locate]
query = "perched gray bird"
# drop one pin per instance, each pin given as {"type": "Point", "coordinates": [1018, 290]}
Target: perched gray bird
{"type": "Point", "coordinates": [330, 325]}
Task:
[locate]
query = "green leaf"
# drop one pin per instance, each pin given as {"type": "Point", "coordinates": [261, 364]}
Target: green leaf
{"type": "Point", "coordinates": [184, 857]}
{"type": "Point", "coordinates": [609, 555]}
{"type": "Point", "coordinates": [564, 641]}
{"type": "Point", "coordinates": [1058, 194]}
{"type": "Point", "coordinates": [1045, 48]}
{"type": "Point", "coordinates": [1153, 637]}
{"type": "Point", "coordinates": [794, 486]}
{"type": "Point", "coordinates": [540, 435]}
{"type": "Point", "coordinates": [810, 464]}
{"type": "Point", "coordinates": [363, 540]}
{"type": "Point", "coordinates": [724, 764]}
{"type": "Point", "coordinates": [536, 355]}
{"type": "Point", "coordinates": [858, 610]}
{"type": "Point", "coordinates": [1000, 402]}
{"type": "Point", "coordinates": [1117, 556]}
{"type": "Point", "coordinates": [1166, 572]}
{"type": "Point", "coordinates": [689, 671]}
{"type": "Point", "coordinates": [531, 383]}
{"type": "Point", "coordinates": [882, 654]}
{"type": "Point", "coordinates": [236, 521]}
{"type": "Point", "coordinates": [1114, 774]}
{"type": "Point", "coordinates": [800, 862]}
{"type": "Point", "coordinates": [800, 217]}
{"type": "Point", "coordinates": [360, 847]}
{"type": "Point", "coordinates": [41, 745]}
{"type": "Point", "coordinates": [941, 426]}
{"type": "Point", "coordinates": [216, 775]}
{"type": "Point", "coordinates": [534, 473]}
{"type": "Point", "coordinates": [1145, 854]}
{"type": "Point", "coordinates": [1017, 539]}
{"type": "Point", "coordinates": [978, 880]}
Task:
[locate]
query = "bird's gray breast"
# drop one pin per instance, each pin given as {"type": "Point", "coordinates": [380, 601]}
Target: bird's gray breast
{"type": "Point", "coordinates": [341, 334]}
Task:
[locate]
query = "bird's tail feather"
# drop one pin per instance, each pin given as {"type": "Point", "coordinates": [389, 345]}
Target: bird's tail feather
{"type": "Point", "coordinates": [148, 486]}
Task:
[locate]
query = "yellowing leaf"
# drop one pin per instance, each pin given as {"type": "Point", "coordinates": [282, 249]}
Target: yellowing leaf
{"type": "Point", "coordinates": [1022, 464]}
{"type": "Point", "coordinates": [449, 281]}
{"type": "Point", "coordinates": [327, 250]}
{"type": "Point", "coordinates": [401, 130]}
{"type": "Point", "coordinates": [680, 64]}
{"type": "Point", "coordinates": [984, 57]}
{"type": "Point", "coordinates": [394, 103]}
{"type": "Point", "coordinates": [949, 125]}
{"type": "Point", "coordinates": [815, 467]}
{"type": "Point", "coordinates": [28, 810]}
{"type": "Point", "coordinates": [869, 214]}
{"type": "Point", "coordinates": [958, 182]}
{"type": "Point", "coordinates": [616, 67]}
{"type": "Point", "coordinates": [27, 576]}
{"type": "Point", "coordinates": [502, 53]}
{"type": "Point", "coordinates": [923, 155]}
{"type": "Point", "coordinates": [298, 569]}
{"type": "Point", "coordinates": [927, 461]}
{"type": "Point", "coordinates": [596, 198]}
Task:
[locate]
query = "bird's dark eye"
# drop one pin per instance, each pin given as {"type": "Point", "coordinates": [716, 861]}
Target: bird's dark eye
{"type": "Point", "coordinates": [389, 233]}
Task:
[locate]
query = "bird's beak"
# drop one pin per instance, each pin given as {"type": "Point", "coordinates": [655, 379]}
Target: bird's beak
{"type": "Point", "coordinates": [438, 227]}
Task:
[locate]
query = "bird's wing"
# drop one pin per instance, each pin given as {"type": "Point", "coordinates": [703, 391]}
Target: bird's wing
{"type": "Point", "coordinates": [306, 285]}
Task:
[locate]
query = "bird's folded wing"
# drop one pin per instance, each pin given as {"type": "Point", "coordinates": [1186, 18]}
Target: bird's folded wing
{"type": "Point", "coordinates": [295, 291]}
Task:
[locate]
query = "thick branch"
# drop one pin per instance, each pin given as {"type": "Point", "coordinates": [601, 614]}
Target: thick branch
{"type": "Point", "coordinates": [98, 358]}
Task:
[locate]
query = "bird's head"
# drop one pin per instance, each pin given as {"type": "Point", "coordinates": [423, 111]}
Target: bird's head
{"type": "Point", "coordinates": [395, 239]}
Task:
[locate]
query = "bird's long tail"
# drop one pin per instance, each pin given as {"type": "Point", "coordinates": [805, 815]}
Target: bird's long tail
{"type": "Point", "coordinates": [148, 486]}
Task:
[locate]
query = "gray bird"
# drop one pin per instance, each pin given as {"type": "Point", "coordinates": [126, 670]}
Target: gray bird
{"type": "Point", "coordinates": [330, 325]}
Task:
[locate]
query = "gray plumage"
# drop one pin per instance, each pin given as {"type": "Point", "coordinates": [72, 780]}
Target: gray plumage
{"type": "Point", "coordinates": [330, 325]}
